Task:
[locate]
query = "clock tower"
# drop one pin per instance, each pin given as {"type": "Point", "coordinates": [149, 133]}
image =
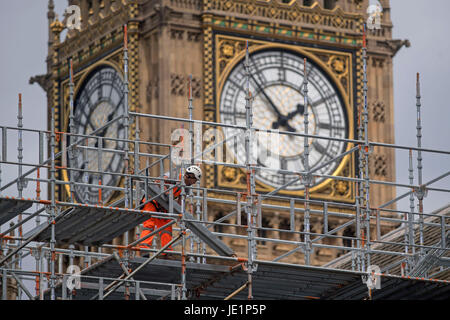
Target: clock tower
{"type": "Point", "coordinates": [171, 40]}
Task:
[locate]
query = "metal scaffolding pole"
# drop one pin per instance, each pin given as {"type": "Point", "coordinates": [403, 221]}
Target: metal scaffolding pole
{"type": "Point", "coordinates": [53, 204]}
{"type": "Point", "coordinates": [366, 219]}
{"type": "Point", "coordinates": [20, 183]}
{"type": "Point", "coordinates": [307, 176]}
{"type": "Point", "coordinates": [72, 150]}
{"type": "Point", "coordinates": [182, 234]}
{"type": "Point", "coordinates": [128, 186]}
{"type": "Point", "coordinates": [410, 229]}
{"type": "Point", "coordinates": [420, 193]}
{"type": "Point", "coordinates": [250, 206]}
{"type": "Point", "coordinates": [190, 195]}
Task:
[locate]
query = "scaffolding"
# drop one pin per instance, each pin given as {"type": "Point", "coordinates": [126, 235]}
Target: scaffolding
{"type": "Point", "coordinates": [201, 264]}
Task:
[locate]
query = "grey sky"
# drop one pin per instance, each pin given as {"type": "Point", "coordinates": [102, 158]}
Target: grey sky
{"type": "Point", "coordinates": [426, 25]}
{"type": "Point", "coordinates": [23, 29]}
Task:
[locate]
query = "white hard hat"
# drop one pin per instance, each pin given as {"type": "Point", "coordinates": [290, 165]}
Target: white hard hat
{"type": "Point", "coordinates": [196, 171]}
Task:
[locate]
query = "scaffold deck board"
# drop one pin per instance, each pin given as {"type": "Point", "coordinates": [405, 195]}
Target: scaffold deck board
{"type": "Point", "coordinates": [271, 281]}
{"type": "Point", "coordinates": [11, 207]}
{"type": "Point", "coordinates": [91, 225]}
{"type": "Point", "coordinates": [97, 225]}
{"type": "Point", "coordinates": [394, 243]}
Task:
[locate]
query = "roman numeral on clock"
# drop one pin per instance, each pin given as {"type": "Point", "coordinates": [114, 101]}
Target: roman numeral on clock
{"type": "Point", "coordinates": [328, 126]}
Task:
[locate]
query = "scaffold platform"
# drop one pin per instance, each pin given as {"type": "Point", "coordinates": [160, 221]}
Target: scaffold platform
{"type": "Point", "coordinates": [96, 225]}
{"type": "Point", "coordinates": [12, 207]}
{"type": "Point", "coordinates": [90, 225]}
{"type": "Point", "coordinates": [271, 281]}
{"type": "Point", "coordinates": [436, 254]}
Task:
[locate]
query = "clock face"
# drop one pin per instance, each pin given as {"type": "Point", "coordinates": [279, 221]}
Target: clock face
{"type": "Point", "coordinates": [278, 103]}
{"type": "Point", "coordinates": [99, 100]}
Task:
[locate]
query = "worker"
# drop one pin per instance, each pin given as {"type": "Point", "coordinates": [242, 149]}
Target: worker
{"type": "Point", "coordinates": [192, 175]}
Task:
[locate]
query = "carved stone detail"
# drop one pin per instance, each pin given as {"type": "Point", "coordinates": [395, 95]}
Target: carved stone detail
{"type": "Point", "coordinates": [378, 111]}
{"type": "Point", "coordinates": [378, 165]}
{"type": "Point", "coordinates": [194, 36]}
{"type": "Point", "coordinates": [179, 85]}
{"type": "Point", "coordinates": [294, 13]}
{"type": "Point", "coordinates": [176, 34]}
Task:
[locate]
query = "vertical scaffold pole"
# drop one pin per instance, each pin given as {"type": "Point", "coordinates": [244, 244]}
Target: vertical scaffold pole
{"type": "Point", "coordinates": [20, 182]}
{"type": "Point", "coordinates": [20, 147]}
{"type": "Point", "coordinates": [205, 218]}
{"type": "Point", "coordinates": [183, 235]}
{"type": "Point", "coordinates": [307, 177]}
{"type": "Point", "coordinates": [71, 256]}
{"type": "Point", "coordinates": [86, 163]}
{"type": "Point", "coordinates": [126, 149]}
{"type": "Point", "coordinates": [53, 205]}
{"type": "Point", "coordinates": [366, 158]}
{"type": "Point", "coordinates": [191, 131]}
{"type": "Point", "coordinates": [100, 169]}
{"type": "Point", "coordinates": [250, 207]}
{"type": "Point", "coordinates": [71, 129]}
{"type": "Point", "coordinates": [360, 190]}
{"type": "Point", "coordinates": [127, 115]}
{"type": "Point", "coordinates": [136, 157]}
{"type": "Point", "coordinates": [419, 193]}
{"type": "Point", "coordinates": [411, 215]}
{"type": "Point", "coordinates": [136, 172]}
{"type": "Point", "coordinates": [38, 222]}
{"type": "Point", "coordinates": [198, 213]}
{"type": "Point", "coordinates": [37, 254]}
{"type": "Point", "coordinates": [191, 158]}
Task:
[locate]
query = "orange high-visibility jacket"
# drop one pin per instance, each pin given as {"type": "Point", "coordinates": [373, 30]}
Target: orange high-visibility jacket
{"type": "Point", "coordinates": [154, 223]}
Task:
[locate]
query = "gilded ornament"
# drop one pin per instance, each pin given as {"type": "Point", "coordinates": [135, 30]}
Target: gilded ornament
{"type": "Point", "coordinates": [229, 173]}
{"type": "Point", "coordinates": [338, 65]}
{"type": "Point", "coordinates": [228, 50]}
{"type": "Point", "coordinates": [341, 187]}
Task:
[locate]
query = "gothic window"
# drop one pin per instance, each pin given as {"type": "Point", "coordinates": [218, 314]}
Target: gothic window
{"type": "Point", "coordinates": [307, 3]}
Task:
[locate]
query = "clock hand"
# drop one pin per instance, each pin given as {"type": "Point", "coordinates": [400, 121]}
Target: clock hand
{"type": "Point", "coordinates": [282, 120]}
{"type": "Point", "coordinates": [103, 132]}
{"type": "Point", "coordinates": [300, 110]}
{"type": "Point", "coordinates": [267, 97]}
